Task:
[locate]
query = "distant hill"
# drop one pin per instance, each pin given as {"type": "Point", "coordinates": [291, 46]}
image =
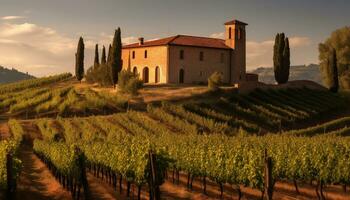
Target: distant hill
{"type": "Point", "coordinates": [301, 72]}
{"type": "Point", "coordinates": [12, 75]}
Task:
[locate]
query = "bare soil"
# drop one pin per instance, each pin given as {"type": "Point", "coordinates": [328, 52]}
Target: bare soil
{"type": "Point", "coordinates": [36, 182]}
{"type": "Point", "coordinates": [170, 92]}
{"type": "Point", "coordinates": [4, 130]}
{"type": "Point", "coordinates": [282, 191]}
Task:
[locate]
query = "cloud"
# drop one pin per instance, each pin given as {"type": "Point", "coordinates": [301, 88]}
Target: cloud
{"type": "Point", "coordinates": [260, 54]}
{"type": "Point", "coordinates": [35, 49]}
{"type": "Point", "coordinates": [218, 35]}
{"type": "Point", "coordinates": [13, 17]}
{"type": "Point", "coordinates": [295, 42]}
{"type": "Point", "coordinates": [129, 40]}
{"type": "Point", "coordinates": [42, 50]}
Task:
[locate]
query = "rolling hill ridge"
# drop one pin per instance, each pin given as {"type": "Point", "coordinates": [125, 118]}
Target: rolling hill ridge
{"type": "Point", "coordinates": [12, 75]}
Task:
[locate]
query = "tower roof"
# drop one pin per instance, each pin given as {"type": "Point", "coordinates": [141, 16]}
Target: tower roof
{"type": "Point", "coordinates": [236, 22]}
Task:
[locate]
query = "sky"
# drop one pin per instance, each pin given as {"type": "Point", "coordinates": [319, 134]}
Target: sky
{"type": "Point", "coordinates": [40, 36]}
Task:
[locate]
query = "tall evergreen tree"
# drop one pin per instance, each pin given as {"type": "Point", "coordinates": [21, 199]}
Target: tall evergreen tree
{"type": "Point", "coordinates": [115, 63]}
{"type": "Point", "coordinates": [79, 60]}
{"type": "Point", "coordinates": [275, 54]}
{"type": "Point", "coordinates": [119, 53]}
{"type": "Point", "coordinates": [103, 57]}
{"type": "Point", "coordinates": [108, 66]}
{"type": "Point", "coordinates": [333, 68]}
{"type": "Point", "coordinates": [281, 58]}
{"type": "Point", "coordinates": [286, 61]}
{"type": "Point", "coordinates": [277, 58]}
{"type": "Point", "coordinates": [109, 54]}
{"type": "Point", "coordinates": [97, 59]}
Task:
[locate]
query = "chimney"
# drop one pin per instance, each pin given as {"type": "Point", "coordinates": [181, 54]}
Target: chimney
{"type": "Point", "coordinates": [141, 40]}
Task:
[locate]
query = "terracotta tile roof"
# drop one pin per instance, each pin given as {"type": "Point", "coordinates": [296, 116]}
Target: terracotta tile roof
{"type": "Point", "coordinates": [183, 40]}
{"type": "Point", "coordinates": [236, 22]}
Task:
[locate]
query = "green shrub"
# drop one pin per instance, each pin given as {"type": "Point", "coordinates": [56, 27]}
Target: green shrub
{"type": "Point", "coordinates": [99, 74]}
{"type": "Point", "coordinates": [214, 81]}
{"type": "Point", "coordinates": [128, 82]}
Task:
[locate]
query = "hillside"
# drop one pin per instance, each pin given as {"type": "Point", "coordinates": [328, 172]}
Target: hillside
{"type": "Point", "coordinates": [301, 72]}
{"type": "Point", "coordinates": [79, 140]}
{"type": "Point", "coordinates": [12, 75]}
{"type": "Point", "coordinates": [55, 95]}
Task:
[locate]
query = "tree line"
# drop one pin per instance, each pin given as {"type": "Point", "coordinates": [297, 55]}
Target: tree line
{"type": "Point", "coordinates": [108, 71]}
{"type": "Point", "coordinates": [334, 58]}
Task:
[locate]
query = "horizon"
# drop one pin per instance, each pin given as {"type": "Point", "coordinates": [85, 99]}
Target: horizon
{"type": "Point", "coordinates": [41, 37]}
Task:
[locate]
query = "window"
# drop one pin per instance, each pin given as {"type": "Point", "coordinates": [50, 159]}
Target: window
{"type": "Point", "coordinates": [182, 56]}
{"type": "Point", "coordinates": [239, 33]}
{"type": "Point", "coordinates": [145, 75]}
{"type": "Point", "coordinates": [133, 54]}
{"type": "Point", "coordinates": [145, 53]}
{"type": "Point", "coordinates": [181, 76]}
{"type": "Point", "coordinates": [201, 73]}
{"type": "Point", "coordinates": [134, 71]}
{"type": "Point", "coordinates": [157, 75]}
{"type": "Point", "coordinates": [222, 57]}
{"type": "Point", "coordinates": [201, 56]}
{"type": "Point", "coordinates": [229, 33]}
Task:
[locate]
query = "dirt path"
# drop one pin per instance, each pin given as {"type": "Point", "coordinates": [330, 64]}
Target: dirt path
{"type": "Point", "coordinates": [100, 190]}
{"type": "Point", "coordinates": [4, 130]}
{"type": "Point", "coordinates": [36, 181]}
{"type": "Point", "coordinates": [282, 191]}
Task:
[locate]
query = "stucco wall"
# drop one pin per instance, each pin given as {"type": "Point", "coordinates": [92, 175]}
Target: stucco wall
{"type": "Point", "coordinates": [196, 71]}
{"type": "Point", "coordinates": [156, 56]}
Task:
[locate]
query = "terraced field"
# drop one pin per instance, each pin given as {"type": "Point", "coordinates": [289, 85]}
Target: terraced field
{"type": "Point", "coordinates": [45, 97]}
{"type": "Point", "coordinates": [257, 112]}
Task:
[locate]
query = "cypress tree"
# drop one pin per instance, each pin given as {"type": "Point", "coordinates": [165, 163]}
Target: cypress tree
{"type": "Point", "coordinates": [281, 58]}
{"type": "Point", "coordinates": [103, 57]}
{"type": "Point", "coordinates": [108, 66]}
{"type": "Point", "coordinates": [109, 54]}
{"type": "Point", "coordinates": [119, 54]}
{"type": "Point", "coordinates": [79, 60]}
{"type": "Point", "coordinates": [286, 61]}
{"type": "Point", "coordinates": [275, 55]}
{"type": "Point", "coordinates": [97, 60]}
{"type": "Point", "coordinates": [334, 72]}
{"type": "Point", "coordinates": [115, 63]}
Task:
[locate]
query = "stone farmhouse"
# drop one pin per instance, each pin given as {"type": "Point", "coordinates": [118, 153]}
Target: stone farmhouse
{"type": "Point", "coordinates": [190, 59]}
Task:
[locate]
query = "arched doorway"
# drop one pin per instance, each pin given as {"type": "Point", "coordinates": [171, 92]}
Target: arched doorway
{"type": "Point", "coordinates": [134, 71]}
{"type": "Point", "coordinates": [181, 76]}
{"type": "Point", "coordinates": [145, 75]}
{"type": "Point", "coordinates": [157, 75]}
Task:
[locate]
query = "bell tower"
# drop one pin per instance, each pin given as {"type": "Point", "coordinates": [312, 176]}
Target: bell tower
{"type": "Point", "coordinates": [235, 37]}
